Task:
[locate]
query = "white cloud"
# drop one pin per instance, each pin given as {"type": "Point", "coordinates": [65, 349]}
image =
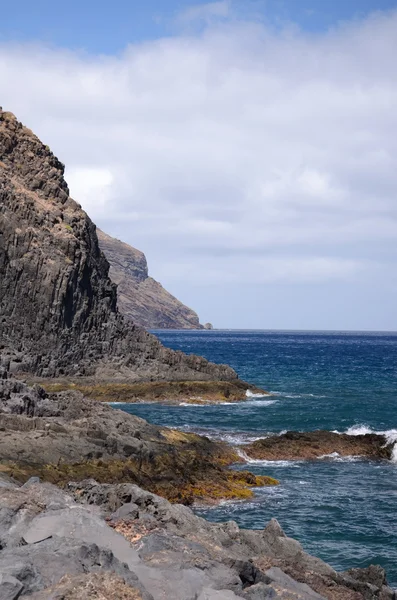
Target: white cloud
{"type": "Point", "coordinates": [234, 148]}
{"type": "Point", "coordinates": [279, 270]}
{"type": "Point", "coordinates": [93, 185]}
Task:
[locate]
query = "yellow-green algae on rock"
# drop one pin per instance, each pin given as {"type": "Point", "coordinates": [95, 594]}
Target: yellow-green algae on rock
{"type": "Point", "coordinates": [197, 392]}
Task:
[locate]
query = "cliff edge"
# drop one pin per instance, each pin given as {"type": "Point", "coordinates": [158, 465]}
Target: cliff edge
{"type": "Point", "coordinates": [140, 297]}
{"type": "Point", "coordinates": [58, 306]}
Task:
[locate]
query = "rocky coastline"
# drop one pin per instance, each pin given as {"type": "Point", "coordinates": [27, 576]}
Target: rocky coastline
{"type": "Point", "coordinates": [98, 534]}
{"type": "Point", "coordinates": [119, 542]}
{"type": "Point", "coordinates": [93, 501]}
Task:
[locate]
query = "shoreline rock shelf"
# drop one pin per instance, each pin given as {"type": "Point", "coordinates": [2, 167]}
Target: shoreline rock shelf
{"type": "Point", "coordinates": [166, 392]}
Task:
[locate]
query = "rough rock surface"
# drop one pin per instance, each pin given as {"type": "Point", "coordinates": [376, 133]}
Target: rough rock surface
{"type": "Point", "coordinates": [140, 297]}
{"type": "Point", "coordinates": [147, 549]}
{"type": "Point", "coordinates": [319, 444]}
{"type": "Point", "coordinates": [58, 307]}
{"type": "Point", "coordinates": [64, 435]}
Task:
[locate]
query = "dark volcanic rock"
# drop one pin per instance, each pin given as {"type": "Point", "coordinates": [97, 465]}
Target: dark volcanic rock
{"type": "Point", "coordinates": [64, 435]}
{"type": "Point", "coordinates": [58, 307]}
{"type": "Point", "coordinates": [315, 444]}
{"type": "Point", "coordinates": [140, 297]}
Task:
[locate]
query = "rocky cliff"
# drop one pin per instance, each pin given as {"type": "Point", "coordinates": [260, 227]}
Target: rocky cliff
{"type": "Point", "coordinates": [140, 297]}
{"type": "Point", "coordinates": [58, 306]}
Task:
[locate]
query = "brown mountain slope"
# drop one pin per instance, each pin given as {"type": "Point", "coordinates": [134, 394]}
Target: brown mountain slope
{"type": "Point", "coordinates": [58, 307]}
{"type": "Point", "coordinates": [140, 297]}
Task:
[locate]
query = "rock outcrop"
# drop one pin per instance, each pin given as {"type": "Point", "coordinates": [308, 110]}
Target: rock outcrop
{"type": "Point", "coordinates": [64, 435]}
{"type": "Point", "coordinates": [140, 297]}
{"type": "Point", "coordinates": [119, 542]}
{"type": "Point", "coordinates": [295, 445]}
{"type": "Point", "coordinates": [58, 307]}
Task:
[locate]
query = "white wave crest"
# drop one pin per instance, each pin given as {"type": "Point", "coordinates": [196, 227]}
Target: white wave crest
{"type": "Point", "coordinates": [390, 435]}
{"type": "Point", "coordinates": [294, 395]}
{"type": "Point", "coordinates": [359, 430]}
{"type": "Point", "coordinates": [250, 394]}
{"type": "Point", "coordinates": [331, 455]}
{"type": "Point", "coordinates": [258, 403]}
{"type": "Point", "coordinates": [336, 457]}
{"type": "Point", "coordinates": [237, 438]}
{"type": "Point", "coordinates": [266, 463]}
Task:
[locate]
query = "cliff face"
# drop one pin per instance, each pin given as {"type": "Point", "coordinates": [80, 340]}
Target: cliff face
{"type": "Point", "coordinates": [58, 307]}
{"type": "Point", "coordinates": [140, 297]}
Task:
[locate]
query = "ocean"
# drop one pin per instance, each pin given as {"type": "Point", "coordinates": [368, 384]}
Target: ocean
{"type": "Point", "coordinates": [341, 510]}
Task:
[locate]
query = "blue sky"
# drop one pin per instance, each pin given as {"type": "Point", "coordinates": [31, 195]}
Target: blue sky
{"type": "Point", "coordinates": [248, 148]}
{"type": "Point", "coordinates": [99, 26]}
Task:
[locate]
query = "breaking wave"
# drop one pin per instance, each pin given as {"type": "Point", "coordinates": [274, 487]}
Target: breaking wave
{"type": "Point", "coordinates": [390, 436]}
{"type": "Point", "coordinates": [250, 394]}
{"type": "Point", "coordinates": [267, 463]}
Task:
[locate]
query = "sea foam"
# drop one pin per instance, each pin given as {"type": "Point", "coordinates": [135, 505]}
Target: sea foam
{"type": "Point", "coordinates": [389, 434]}
{"type": "Point", "coordinates": [250, 394]}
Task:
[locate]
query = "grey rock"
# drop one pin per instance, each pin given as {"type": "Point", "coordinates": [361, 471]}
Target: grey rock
{"type": "Point", "coordinates": [165, 551]}
{"type": "Point", "coordinates": [31, 481]}
{"type": "Point", "coordinates": [41, 565]}
{"type": "Point", "coordinates": [176, 583]}
{"type": "Point", "coordinates": [126, 511]}
{"type": "Point", "coordinates": [10, 588]}
{"type": "Point", "coordinates": [7, 482]}
{"type": "Point", "coordinates": [79, 523]}
{"type": "Point", "coordinates": [209, 594]}
{"type": "Point", "coordinates": [259, 591]}
{"type": "Point", "coordinates": [20, 505]}
{"type": "Point", "coordinates": [374, 574]}
{"type": "Point", "coordinates": [286, 586]}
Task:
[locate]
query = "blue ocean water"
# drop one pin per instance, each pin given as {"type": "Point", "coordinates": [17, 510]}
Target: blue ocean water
{"type": "Point", "coordinates": [342, 510]}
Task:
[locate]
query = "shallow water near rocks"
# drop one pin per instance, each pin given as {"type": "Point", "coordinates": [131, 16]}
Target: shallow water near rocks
{"type": "Point", "coordinates": [342, 510]}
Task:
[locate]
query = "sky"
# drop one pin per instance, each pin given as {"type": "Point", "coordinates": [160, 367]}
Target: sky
{"type": "Point", "coordinates": [248, 148]}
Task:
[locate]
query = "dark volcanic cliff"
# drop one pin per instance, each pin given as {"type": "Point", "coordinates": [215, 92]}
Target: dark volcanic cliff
{"type": "Point", "coordinates": [58, 307]}
{"type": "Point", "coordinates": [140, 297]}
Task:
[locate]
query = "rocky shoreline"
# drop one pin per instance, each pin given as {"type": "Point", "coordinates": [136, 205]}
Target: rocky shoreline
{"type": "Point", "coordinates": [97, 534]}
{"type": "Point", "coordinates": [62, 436]}
{"type": "Point", "coordinates": [119, 542]}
